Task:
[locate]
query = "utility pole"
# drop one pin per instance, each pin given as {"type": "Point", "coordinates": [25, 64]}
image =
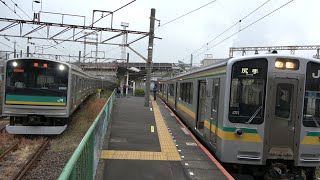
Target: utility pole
{"type": "Point", "coordinates": [127, 83]}
{"type": "Point", "coordinates": [149, 60]}
{"type": "Point", "coordinates": [28, 51]}
{"type": "Point", "coordinates": [15, 50]}
{"type": "Point", "coordinates": [79, 57]}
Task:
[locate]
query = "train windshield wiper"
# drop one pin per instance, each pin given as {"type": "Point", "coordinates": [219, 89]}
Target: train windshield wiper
{"type": "Point", "coordinates": [254, 115]}
{"type": "Point", "coordinates": [315, 121]}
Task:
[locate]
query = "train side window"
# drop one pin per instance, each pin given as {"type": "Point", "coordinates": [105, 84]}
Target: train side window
{"type": "Point", "coordinates": [171, 89]}
{"type": "Point", "coordinates": [186, 92]}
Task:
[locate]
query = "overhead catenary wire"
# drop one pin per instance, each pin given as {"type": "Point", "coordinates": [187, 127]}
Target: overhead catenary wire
{"type": "Point", "coordinates": [6, 45]}
{"type": "Point", "coordinates": [32, 27]}
{"type": "Point", "coordinates": [245, 27]}
{"type": "Point", "coordinates": [41, 29]}
{"type": "Point", "coordinates": [91, 25]}
{"type": "Point", "coordinates": [29, 25]}
{"type": "Point", "coordinates": [219, 35]}
{"type": "Point", "coordinates": [186, 14]}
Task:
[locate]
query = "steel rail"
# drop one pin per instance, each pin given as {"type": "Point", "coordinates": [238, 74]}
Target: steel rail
{"type": "Point", "coordinates": [20, 174]}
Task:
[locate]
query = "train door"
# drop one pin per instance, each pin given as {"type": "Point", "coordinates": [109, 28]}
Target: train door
{"type": "Point", "coordinates": [201, 106]}
{"type": "Point", "coordinates": [283, 95]}
{"type": "Point", "coordinates": [214, 111]}
{"type": "Point", "coordinates": [176, 96]}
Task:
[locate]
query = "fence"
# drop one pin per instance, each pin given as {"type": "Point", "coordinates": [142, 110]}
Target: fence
{"type": "Point", "coordinates": [84, 161]}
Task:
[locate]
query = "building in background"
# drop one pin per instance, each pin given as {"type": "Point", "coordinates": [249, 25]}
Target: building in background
{"type": "Point", "coordinates": [208, 60]}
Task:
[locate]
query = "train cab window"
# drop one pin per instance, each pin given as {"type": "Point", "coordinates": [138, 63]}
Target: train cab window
{"type": "Point", "coordinates": [311, 110]}
{"type": "Point", "coordinates": [247, 93]}
{"type": "Point", "coordinates": [36, 78]}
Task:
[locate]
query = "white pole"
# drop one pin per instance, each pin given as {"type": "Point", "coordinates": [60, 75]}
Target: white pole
{"type": "Point", "coordinates": [127, 84]}
{"type": "Point", "coordinates": [134, 88]}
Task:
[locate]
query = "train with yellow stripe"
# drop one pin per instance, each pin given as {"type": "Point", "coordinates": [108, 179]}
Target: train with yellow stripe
{"type": "Point", "coordinates": [39, 95]}
{"type": "Point", "coordinates": [261, 112]}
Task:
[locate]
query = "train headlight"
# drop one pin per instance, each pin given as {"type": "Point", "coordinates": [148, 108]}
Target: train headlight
{"type": "Point", "coordinates": [61, 67]}
{"type": "Point", "coordinates": [287, 64]}
{"type": "Point", "coordinates": [14, 64]}
{"type": "Point", "coordinates": [290, 65]}
{"type": "Point", "coordinates": [279, 64]}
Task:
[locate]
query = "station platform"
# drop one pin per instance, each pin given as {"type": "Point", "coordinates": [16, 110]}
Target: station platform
{"type": "Point", "coordinates": [150, 143]}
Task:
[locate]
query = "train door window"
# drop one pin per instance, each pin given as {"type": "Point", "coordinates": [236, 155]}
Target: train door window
{"type": "Point", "coordinates": [215, 97]}
{"type": "Point", "coordinates": [247, 93]}
{"type": "Point", "coordinates": [201, 106]}
{"type": "Point", "coordinates": [311, 110]}
{"type": "Point", "coordinates": [214, 110]}
{"type": "Point", "coordinates": [283, 100]}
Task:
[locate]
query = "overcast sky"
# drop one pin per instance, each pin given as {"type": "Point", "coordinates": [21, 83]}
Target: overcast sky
{"type": "Point", "coordinates": [295, 24]}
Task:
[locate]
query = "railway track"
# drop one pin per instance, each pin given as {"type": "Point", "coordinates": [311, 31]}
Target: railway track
{"type": "Point", "coordinates": [31, 160]}
{"type": "Point", "coordinates": [23, 167]}
{"type": "Point", "coordinates": [10, 149]}
{"type": "Point", "coordinates": [2, 129]}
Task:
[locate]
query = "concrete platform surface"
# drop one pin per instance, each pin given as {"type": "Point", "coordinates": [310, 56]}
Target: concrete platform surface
{"type": "Point", "coordinates": [149, 143]}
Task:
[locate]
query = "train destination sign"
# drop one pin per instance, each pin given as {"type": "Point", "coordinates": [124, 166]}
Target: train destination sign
{"type": "Point", "coordinates": [247, 71]}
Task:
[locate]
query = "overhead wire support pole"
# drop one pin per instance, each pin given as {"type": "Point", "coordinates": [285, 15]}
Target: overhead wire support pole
{"type": "Point", "coordinates": [149, 61]}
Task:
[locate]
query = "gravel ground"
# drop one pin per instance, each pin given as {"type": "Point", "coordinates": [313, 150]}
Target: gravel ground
{"type": "Point", "coordinates": [13, 161]}
{"type": "Point", "coordinates": [61, 147]}
{"type": "Point", "coordinates": [49, 166]}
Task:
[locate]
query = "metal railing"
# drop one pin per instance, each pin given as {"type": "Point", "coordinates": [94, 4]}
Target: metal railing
{"type": "Point", "coordinates": [84, 161]}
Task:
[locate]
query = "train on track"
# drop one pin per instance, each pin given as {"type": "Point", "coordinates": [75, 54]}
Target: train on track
{"type": "Point", "coordinates": [39, 95]}
{"type": "Point", "coordinates": [259, 114]}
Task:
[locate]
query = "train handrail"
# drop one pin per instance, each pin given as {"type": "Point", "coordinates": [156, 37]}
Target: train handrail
{"type": "Point", "coordinates": [84, 161]}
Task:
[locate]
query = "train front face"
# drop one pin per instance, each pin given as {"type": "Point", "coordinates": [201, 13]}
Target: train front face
{"type": "Point", "coordinates": [274, 104]}
{"type": "Point", "coordinates": [36, 92]}
{"type": "Point", "coordinates": [292, 118]}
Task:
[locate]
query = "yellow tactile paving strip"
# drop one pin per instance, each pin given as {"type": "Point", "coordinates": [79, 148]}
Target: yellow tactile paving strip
{"type": "Point", "coordinates": [168, 152]}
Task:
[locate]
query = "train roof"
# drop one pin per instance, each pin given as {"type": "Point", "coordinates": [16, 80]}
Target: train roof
{"type": "Point", "coordinates": [234, 59]}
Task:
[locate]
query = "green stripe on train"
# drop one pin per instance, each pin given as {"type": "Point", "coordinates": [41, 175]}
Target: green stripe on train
{"type": "Point", "coordinates": [233, 129]}
{"type": "Point", "coordinates": [24, 98]}
{"type": "Point", "coordinates": [313, 134]}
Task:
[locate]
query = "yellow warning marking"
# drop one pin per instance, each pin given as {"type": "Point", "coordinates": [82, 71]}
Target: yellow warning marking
{"type": "Point", "coordinates": [168, 152]}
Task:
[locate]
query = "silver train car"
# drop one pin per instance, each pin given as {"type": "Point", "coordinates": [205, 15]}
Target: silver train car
{"type": "Point", "coordinates": [39, 95]}
{"type": "Point", "coordinates": [261, 112]}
